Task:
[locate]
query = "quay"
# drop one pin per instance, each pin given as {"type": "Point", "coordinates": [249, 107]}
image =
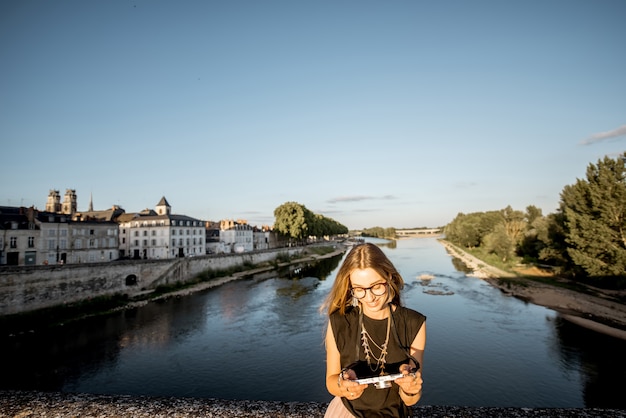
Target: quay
{"type": "Point", "coordinates": [45, 404]}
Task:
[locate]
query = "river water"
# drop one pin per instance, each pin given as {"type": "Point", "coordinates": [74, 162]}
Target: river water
{"type": "Point", "coordinates": [263, 340]}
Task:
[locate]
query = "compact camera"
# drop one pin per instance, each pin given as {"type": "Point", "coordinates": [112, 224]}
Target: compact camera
{"type": "Point", "coordinates": [383, 381]}
{"type": "Point", "coordinates": [380, 382]}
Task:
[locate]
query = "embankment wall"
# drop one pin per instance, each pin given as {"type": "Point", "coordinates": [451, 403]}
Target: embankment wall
{"type": "Point", "coordinates": [29, 288]}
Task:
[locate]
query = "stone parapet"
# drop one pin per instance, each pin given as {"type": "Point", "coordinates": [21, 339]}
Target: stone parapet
{"type": "Point", "coordinates": [44, 404]}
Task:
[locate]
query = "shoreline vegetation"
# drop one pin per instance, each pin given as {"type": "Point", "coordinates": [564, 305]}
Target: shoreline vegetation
{"type": "Point", "coordinates": [600, 310]}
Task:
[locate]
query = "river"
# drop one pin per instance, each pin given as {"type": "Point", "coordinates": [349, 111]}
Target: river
{"type": "Point", "coordinates": [263, 340]}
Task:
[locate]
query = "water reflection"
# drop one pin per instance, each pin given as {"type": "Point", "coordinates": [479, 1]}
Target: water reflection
{"type": "Point", "coordinates": [599, 358]}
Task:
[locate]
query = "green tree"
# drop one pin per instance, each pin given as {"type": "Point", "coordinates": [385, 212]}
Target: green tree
{"type": "Point", "coordinates": [533, 213]}
{"type": "Point", "coordinates": [514, 224]}
{"type": "Point", "coordinates": [499, 242]}
{"type": "Point", "coordinates": [468, 230]}
{"type": "Point", "coordinates": [291, 220]}
{"type": "Point", "coordinates": [594, 215]}
{"type": "Point", "coordinates": [464, 230]}
{"type": "Point", "coordinates": [297, 222]}
{"type": "Point", "coordinates": [554, 248]}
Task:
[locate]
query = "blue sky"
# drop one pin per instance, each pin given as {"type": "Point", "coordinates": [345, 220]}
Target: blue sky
{"type": "Point", "coordinates": [372, 113]}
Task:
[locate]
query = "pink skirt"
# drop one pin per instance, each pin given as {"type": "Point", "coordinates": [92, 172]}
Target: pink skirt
{"type": "Point", "coordinates": [336, 409]}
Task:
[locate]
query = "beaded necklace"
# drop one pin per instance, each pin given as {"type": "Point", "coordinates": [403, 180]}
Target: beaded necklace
{"type": "Point", "coordinates": [366, 338]}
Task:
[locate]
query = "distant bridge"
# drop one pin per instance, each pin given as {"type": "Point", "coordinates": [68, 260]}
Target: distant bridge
{"type": "Point", "coordinates": [418, 232]}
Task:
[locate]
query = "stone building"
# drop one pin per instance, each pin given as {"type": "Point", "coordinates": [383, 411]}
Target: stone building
{"type": "Point", "coordinates": [63, 240]}
{"type": "Point", "coordinates": [31, 237]}
{"type": "Point", "coordinates": [19, 236]}
{"type": "Point", "coordinates": [237, 236]}
{"type": "Point", "coordinates": [158, 233]}
{"type": "Point", "coordinates": [69, 205]}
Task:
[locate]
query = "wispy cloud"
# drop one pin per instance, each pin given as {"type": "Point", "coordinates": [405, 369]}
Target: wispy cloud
{"type": "Point", "coordinates": [358, 198]}
{"type": "Point", "coordinates": [601, 136]}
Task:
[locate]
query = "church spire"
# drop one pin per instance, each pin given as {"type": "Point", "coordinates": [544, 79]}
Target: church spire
{"type": "Point", "coordinates": [90, 202]}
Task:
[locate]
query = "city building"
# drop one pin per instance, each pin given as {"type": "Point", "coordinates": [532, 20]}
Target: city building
{"type": "Point", "coordinates": [19, 236]}
{"type": "Point", "coordinates": [152, 234]}
{"type": "Point", "coordinates": [237, 236]}
{"type": "Point", "coordinates": [63, 240]}
{"type": "Point", "coordinates": [31, 237]}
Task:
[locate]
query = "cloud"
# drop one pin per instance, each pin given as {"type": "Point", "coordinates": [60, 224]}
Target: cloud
{"type": "Point", "coordinates": [601, 136]}
{"type": "Point", "coordinates": [357, 198]}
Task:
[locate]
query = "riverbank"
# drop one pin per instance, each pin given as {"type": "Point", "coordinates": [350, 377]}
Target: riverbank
{"type": "Point", "coordinates": [40, 404]}
{"type": "Point", "coordinates": [305, 258]}
{"type": "Point", "coordinates": [596, 309]}
{"type": "Point", "coordinates": [64, 314]}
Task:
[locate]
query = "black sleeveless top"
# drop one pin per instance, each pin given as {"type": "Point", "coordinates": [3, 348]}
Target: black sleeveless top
{"type": "Point", "coordinates": [376, 402]}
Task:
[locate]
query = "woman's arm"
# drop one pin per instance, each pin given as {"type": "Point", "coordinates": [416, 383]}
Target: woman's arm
{"type": "Point", "coordinates": [411, 387]}
{"type": "Point", "coordinates": [336, 384]}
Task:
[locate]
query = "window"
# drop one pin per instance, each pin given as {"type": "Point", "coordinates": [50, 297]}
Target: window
{"type": "Point", "coordinates": [63, 244]}
{"type": "Point", "coordinates": [13, 242]}
{"type": "Point", "coordinates": [93, 243]}
{"type": "Point", "coordinates": [136, 233]}
{"type": "Point", "coordinates": [78, 244]}
{"type": "Point", "coordinates": [145, 233]}
{"type": "Point", "coordinates": [145, 242]}
{"type": "Point", "coordinates": [51, 244]}
{"type": "Point", "coordinates": [153, 242]}
{"type": "Point", "coordinates": [173, 242]}
{"type": "Point", "coordinates": [91, 232]}
{"type": "Point", "coordinates": [31, 242]}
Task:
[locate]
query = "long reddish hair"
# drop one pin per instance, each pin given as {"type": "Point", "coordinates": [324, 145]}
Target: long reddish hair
{"type": "Point", "coordinates": [362, 256]}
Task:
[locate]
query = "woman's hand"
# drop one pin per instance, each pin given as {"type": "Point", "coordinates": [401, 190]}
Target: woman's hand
{"type": "Point", "coordinates": [411, 382]}
{"type": "Point", "coordinates": [348, 388]}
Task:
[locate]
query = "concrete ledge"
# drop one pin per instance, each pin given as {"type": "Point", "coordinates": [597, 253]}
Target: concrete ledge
{"type": "Point", "coordinates": [43, 404]}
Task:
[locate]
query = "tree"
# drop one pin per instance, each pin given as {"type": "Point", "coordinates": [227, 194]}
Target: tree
{"type": "Point", "coordinates": [499, 242]}
{"type": "Point", "coordinates": [291, 220]}
{"type": "Point", "coordinates": [594, 212]}
{"type": "Point", "coordinates": [533, 213]}
{"type": "Point", "coordinates": [514, 224]}
{"type": "Point", "coordinates": [296, 221]}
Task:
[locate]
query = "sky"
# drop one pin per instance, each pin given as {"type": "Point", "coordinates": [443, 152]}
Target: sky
{"type": "Point", "coordinates": [372, 113]}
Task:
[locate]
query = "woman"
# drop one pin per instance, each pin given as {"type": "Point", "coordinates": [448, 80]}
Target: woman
{"type": "Point", "coordinates": [370, 334]}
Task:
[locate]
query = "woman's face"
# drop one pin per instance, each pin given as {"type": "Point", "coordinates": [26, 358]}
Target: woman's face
{"type": "Point", "coordinates": [373, 306]}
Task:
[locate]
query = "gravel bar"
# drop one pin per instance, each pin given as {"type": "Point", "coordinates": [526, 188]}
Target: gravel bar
{"type": "Point", "coordinates": [45, 404]}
